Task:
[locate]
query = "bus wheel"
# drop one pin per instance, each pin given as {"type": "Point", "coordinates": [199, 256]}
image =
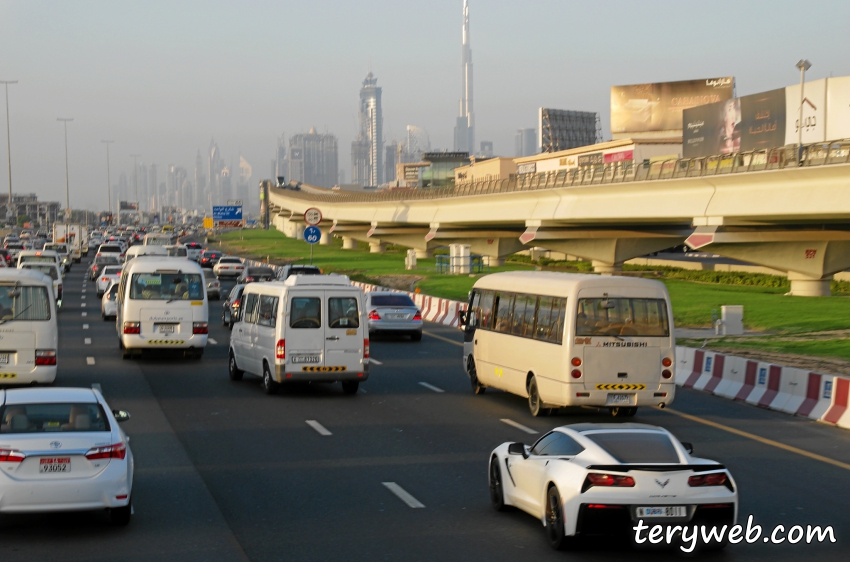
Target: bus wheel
{"type": "Point", "coordinates": [477, 388]}
{"type": "Point", "coordinates": [623, 412]}
{"type": "Point", "coordinates": [535, 404]}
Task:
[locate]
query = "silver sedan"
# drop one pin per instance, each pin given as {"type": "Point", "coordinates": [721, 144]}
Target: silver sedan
{"type": "Point", "coordinates": [393, 313]}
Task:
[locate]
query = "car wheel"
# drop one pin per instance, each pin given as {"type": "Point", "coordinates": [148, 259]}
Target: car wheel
{"type": "Point", "coordinates": [416, 336]}
{"type": "Point", "coordinates": [233, 370]}
{"type": "Point", "coordinates": [270, 386]}
{"type": "Point", "coordinates": [535, 404]}
{"type": "Point", "coordinates": [350, 387]}
{"type": "Point", "coordinates": [497, 494]}
{"type": "Point", "coordinates": [477, 387]}
{"type": "Point", "coordinates": [553, 519]}
{"type": "Point", "coordinates": [120, 516]}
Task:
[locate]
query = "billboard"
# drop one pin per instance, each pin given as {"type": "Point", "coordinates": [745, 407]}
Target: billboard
{"type": "Point", "coordinates": [641, 108]}
{"type": "Point", "coordinates": [560, 129]}
{"type": "Point", "coordinates": [129, 206]}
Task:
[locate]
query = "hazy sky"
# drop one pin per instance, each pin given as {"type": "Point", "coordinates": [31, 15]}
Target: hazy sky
{"type": "Point", "coordinates": [162, 78]}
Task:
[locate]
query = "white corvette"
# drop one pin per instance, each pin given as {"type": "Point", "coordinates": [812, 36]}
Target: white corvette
{"type": "Point", "coordinates": [604, 478]}
{"type": "Point", "coordinates": [61, 450]}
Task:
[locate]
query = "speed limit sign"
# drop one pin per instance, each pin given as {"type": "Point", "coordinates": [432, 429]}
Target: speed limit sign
{"type": "Point", "coordinates": [312, 216]}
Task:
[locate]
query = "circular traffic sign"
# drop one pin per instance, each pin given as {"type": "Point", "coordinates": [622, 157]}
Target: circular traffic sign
{"type": "Point", "coordinates": [312, 216]}
{"type": "Point", "coordinates": [312, 234]}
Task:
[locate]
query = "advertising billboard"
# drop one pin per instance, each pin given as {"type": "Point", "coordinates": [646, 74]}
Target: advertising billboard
{"type": "Point", "coordinates": [129, 206]}
{"type": "Point", "coordinates": [641, 108]}
{"type": "Point", "coordinates": [561, 129]}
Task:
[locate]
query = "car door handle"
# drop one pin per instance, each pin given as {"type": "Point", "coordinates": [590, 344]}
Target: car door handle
{"type": "Point", "coordinates": [332, 338]}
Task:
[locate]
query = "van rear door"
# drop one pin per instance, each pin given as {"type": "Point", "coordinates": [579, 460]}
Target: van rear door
{"type": "Point", "coordinates": [344, 330]}
{"type": "Point", "coordinates": [304, 330]}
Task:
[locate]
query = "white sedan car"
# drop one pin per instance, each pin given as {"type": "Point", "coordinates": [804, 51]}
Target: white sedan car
{"type": "Point", "coordinates": [61, 450]}
{"type": "Point", "coordinates": [229, 266]}
{"type": "Point", "coordinates": [108, 275]}
{"type": "Point", "coordinates": [109, 302]}
{"type": "Point", "coordinates": [602, 478]}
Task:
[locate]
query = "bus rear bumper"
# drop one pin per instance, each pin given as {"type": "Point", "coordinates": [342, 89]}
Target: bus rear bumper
{"type": "Point", "coordinates": [43, 374]}
{"type": "Point", "coordinates": [577, 394]}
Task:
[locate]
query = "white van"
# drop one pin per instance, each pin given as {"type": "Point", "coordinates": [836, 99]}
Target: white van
{"type": "Point", "coordinates": [158, 240]}
{"type": "Point", "coordinates": [178, 251]}
{"type": "Point", "coordinates": [28, 326]}
{"type": "Point", "coordinates": [141, 250]}
{"type": "Point", "coordinates": [162, 304]}
{"type": "Point", "coordinates": [41, 256]}
{"type": "Point", "coordinates": [308, 328]}
{"type": "Point", "coordinates": [51, 270]}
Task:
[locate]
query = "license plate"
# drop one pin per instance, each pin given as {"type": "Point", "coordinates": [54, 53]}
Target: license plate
{"type": "Point", "coordinates": [4, 358]}
{"type": "Point", "coordinates": [396, 316]}
{"type": "Point", "coordinates": [54, 464]}
{"type": "Point", "coordinates": [166, 328]}
{"type": "Point", "coordinates": [662, 511]}
{"type": "Point", "coordinates": [306, 358]}
{"type": "Point", "coordinates": [619, 399]}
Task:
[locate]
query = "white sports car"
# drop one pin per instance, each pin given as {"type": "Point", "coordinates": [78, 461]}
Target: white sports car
{"type": "Point", "coordinates": [61, 450]}
{"type": "Point", "coordinates": [604, 478]}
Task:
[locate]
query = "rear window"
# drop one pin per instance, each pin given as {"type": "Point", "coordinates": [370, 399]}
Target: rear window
{"type": "Point", "coordinates": [23, 303]}
{"type": "Point", "coordinates": [39, 259]}
{"type": "Point", "coordinates": [110, 248]}
{"type": "Point", "coordinates": [622, 317]}
{"type": "Point", "coordinates": [106, 260]}
{"type": "Point", "coordinates": [392, 300]}
{"type": "Point", "coordinates": [305, 312]}
{"type": "Point", "coordinates": [260, 271]}
{"type": "Point", "coordinates": [49, 270]}
{"type": "Point", "coordinates": [166, 286]}
{"type": "Point", "coordinates": [636, 447]}
{"type": "Point", "coordinates": [52, 418]}
{"type": "Point", "coordinates": [230, 260]}
{"type": "Point", "coordinates": [343, 313]}
{"type": "Point", "coordinates": [111, 271]}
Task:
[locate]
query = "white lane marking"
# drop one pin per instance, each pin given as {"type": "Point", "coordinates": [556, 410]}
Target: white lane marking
{"type": "Point", "coordinates": [82, 305]}
{"type": "Point", "coordinates": [212, 341]}
{"type": "Point", "coordinates": [84, 289]}
{"type": "Point", "coordinates": [519, 426]}
{"type": "Point", "coordinates": [87, 341]}
{"type": "Point", "coordinates": [375, 361]}
{"type": "Point", "coordinates": [403, 495]}
{"type": "Point", "coordinates": [85, 313]}
{"type": "Point", "coordinates": [89, 360]}
{"type": "Point", "coordinates": [431, 387]}
{"type": "Point", "coordinates": [318, 427]}
{"type": "Point", "coordinates": [85, 326]}
{"type": "Point", "coordinates": [83, 297]}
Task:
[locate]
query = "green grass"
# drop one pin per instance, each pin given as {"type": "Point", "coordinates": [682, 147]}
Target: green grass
{"type": "Point", "coordinates": [839, 348]}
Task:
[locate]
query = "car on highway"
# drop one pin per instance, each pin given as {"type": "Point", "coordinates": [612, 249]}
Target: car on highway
{"type": "Point", "coordinates": [209, 258]}
{"type": "Point", "coordinates": [212, 284]}
{"type": "Point", "coordinates": [142, 250]}
{"type": "Point", "coordinates": [194, 251]}
{"type": "Point", "coordinates": [229, 266]}
{"type": "Point", "coordinates": [602, 478]}
{"type": "Point", "coordinates": [100, 262]}
{"type": "Point", "coordinates": [393, 313]}
{"type": "Point", "coordinates": [64, 254]}
{"type": "Point", "coordinates": [40, 256]}
{"type": "Point", "coordinates": [108, 302]}
{"type": "Point", "coordinates": [230, 307]}
{"type": "Point", "coordinates": [284, 272]}
{"type": "Point", "coordinates": [112, 249]}
{"type": "Point", "coordinates": [177, 251]}
{"type": "Point", "coordinates": [15, 248]}
{"type": "Point", "coordinates": [62, 450]}
{"type": "Point", "coordinates": [6, 257]}
{"type": "Point", "coordinates": [310, 328]}
{"type": "Point", "coordinates": [50, 270]}
{"type": "Point", "coordinates": [108, 275]}
{"type": "Point", "coordinates": [253, 274]}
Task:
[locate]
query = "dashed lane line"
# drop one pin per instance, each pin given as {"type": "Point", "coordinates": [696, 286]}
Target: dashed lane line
{"type": "Point", "coordinates": [83, 297]}
{"type": "Point", "coordinates": [85, 326]}
{"type": "Point", "coordinates": [375, 361]}
{"type": "Point", "coordinates": [89, 360]}
{"type": "Point", "coordinates": [519, 426]}
{"type": "Point", "coordinates": [431, 387]}
{"type": "Point", "coordinates": [82, 305]}
{"type": "Point", "coordinates": [320, 429]}
{"type": "Point", "coordinates": [84, 289]}
{"type": "Point", "coordinates": [403, 495]}
{"type": "Point", "coordinates": [84, 313]}
{"type": "Point", "coordinates": [445, 339]}
{"type": "Point", "coordinates": [212, 341]}
{"type": "Point", "coordinates": [87, 341]}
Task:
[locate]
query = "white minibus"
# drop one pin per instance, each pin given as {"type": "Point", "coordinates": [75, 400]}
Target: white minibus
{"type": "Point", "coordinates": [142, 250]}
{"type": "Point", "coordinates": [307, 328]}
{"type": "Point", "coordinates": [162, 304]}
{"type": "Point", "coordinates": [158, 240]}
{"type": "Point", "coordinates": [562, 339]}
{"type": "Point", "coordinates": [29, 332]}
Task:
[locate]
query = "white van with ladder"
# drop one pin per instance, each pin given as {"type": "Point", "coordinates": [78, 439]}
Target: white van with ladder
{"type": "Point", "coordinates": [307, 328]}
{"type": "Point", "coordinates": [162, 304]}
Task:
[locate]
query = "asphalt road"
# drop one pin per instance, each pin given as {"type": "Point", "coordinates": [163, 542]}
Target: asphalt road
{"type": "Point", "coordinates": [224, 472]}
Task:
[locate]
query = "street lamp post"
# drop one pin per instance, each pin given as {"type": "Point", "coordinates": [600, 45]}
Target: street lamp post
{"type": "Point", "coordinates": [108, 181]}
{"type": "Point", "coordinates": [136, 182]}
{"type": "Point", "coordinates": [67, 190]}
{"type": "Point", "coordinates": [9, 211]}
{"type": "Point", "coordinates": [803, 65]}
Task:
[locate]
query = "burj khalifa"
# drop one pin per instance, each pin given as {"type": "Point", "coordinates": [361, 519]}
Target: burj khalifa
{"type": "Point", "coordinates": [465, 124]}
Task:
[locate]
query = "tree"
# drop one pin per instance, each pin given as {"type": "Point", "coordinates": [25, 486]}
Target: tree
{"type": "Point", "coordinates": [23, 219]}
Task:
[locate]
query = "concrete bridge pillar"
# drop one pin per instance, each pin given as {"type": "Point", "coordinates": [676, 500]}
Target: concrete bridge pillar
{"type": "Point", "coordinates": [325, 240]}
{"type": "Point", "coordinates": [349, 243]}
{"type": "Point", "coordinates": [377, 247]}
{"type": "Point", "coordinates": [606, 268]}
{"type": "Point", "coordinates": [424, 254]}
{"type": "Point", "coordinates": [809, 286]}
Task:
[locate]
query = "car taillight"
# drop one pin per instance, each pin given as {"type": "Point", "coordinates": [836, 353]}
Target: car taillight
{"type": "Point", "coordinates": [417, 316]}
{"type": "Point", "coordinates": [45, 356]}
{"type": "Point", "coordinates": [666, 373]}
{"type": "Point", "coordinates": [104, 279]}
{"type": "Point", "coordinates": [132, 328]}
{"type": "Point", "coordinates": [374, 315]}
{"type": "Point", "coordinates": [116, 451]}
{"type": "Point", "coordinates": [576, 361]}
{"type": "Point", "coordinates": [576, 374]}
{"type": "Point", "coordinates": [608, 480]}
{"type": "Point", "coordinates": [366, 348]}
{"type": "Point", "coordinates": [714, 479]}
{"type": "Point", "coordinates": [249, 279]}
{"type": "Point", "coordinates": [200, 328]}
{"type": "Point", "coordinates": [666, 362]}
{"type": "Point", "coordinates": [11, 455]}
{"type": "Point", "coordinates": [236, 303]}
{"type": "Point", "coordinates": [280, 349]}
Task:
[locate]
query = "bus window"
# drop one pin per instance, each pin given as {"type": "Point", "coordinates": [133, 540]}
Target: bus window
{"type": "Point", "coordinates": [544, 308]}
{"type": "Point", "coordinates": [556, 321]}
{"type": "Point", "coordinates": [520, 305]}
{"type": "Point", "coordinates": [485, 312]}
{"type": "Point", "coordinates": [622, 317]}
{"type": "Point", "coordinates": [504, 308]}
{"type": "Point", "coordinates": [528, 322]}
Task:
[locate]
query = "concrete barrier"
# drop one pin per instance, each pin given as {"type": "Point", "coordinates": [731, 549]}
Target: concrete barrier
{"type": "Point", "coordinates": [733, 377]}
{"type": "Point", "coordinates": [838, 414]}
{"type": "Point", "coordinates": [792, 390]}
{"type": "Point", "coordinates": [818, 396]}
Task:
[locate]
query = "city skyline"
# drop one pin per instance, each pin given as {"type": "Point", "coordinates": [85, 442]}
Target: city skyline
{"type": "Point", "coordinates": [162, 89]}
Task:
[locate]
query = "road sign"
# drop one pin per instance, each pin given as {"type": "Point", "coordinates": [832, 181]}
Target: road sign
{"type": "Point", "coordinates": [313, 216]}
{"type": "Point", "coordinates": [312, 234]}
{"type": "Point", "coordinates": [227, 212]}
{"type": "Point", "coordinates": [208, 222]}
{"type": "Point", "coordinates": [237, 202]}
{"type": "Point", "coordinates": [228, 224]}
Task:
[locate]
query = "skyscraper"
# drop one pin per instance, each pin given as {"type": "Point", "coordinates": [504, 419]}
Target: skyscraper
{"type": "Point", "coordinates": [367, 158]}
{"type": "Point", "coordinates": [281, 167]}
{"type": "Point", "coordinates": [200, 198]}
{"type": "Point", "coordinates": [465, 123]}
{"type": "Point", "coordinates": [525, 142]}
{"type": "Point", "coordinates": [314, 159]}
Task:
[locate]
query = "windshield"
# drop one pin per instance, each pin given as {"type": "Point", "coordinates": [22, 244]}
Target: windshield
{"type": "Point", "coordinates": [166, 286]}
{"type": "Point", "coordinates": [111, 270]}
{"type": "Point", "coordinates": [38, 259]}
{"type": "Point", "coordinates": [636, 446]}
{"type": "Point", "coordinates": [24, 302]}
{"type": "Point", "coordinates": [49, 270]}
{"type": "Point", "coordinates": [101, 260]}
{"type": "Point", "coordinates": [60, 248]}
{"type": "Point", "coordinates": [158, 241]}
{"type": "Point", "coordinates": [622, 317]}
{"type": "Point", "coordinates": [392, 300]}
{"type": "Point", "coordinates": [52, 418]}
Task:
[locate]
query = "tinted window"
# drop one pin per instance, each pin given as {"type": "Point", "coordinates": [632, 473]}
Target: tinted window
{"type": "Point", "coordinates": [268, 311]}
{"type": "Point", "coordinates": [50, 418]}
{"type": "Point", "coordinates": [343, 312]}
{"type": "Point", "coordinates": [473, 317]}
{"type": "Point", "coordinates": [543, 442]}
{"type": "Point", "coordinates": [636, 447]}
{"type": "Point", "coordinates": [305, 312]}
{"type": "Point", "coordinates": [106, 260]}
{"type": "Point", "coordinates": [562, 446]}
{"type": "Point", "coordinates": [166, 286]}
{"type": "Point", "coordinates": [485, 313]}
{"type": "Point", "coordinates": [622, 317]}
{"type": "Point", "coordinates": [249, 314]}
{"type": "Point", "coordinates": [504, 307]}
{"type": "Point", "coordinates": [392, 300]}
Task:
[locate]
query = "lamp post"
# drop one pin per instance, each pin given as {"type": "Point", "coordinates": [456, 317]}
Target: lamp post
{"type": "Point", "coordinates": [9, 212]}
{"type": "Point", "coordinates": [803, 65]}
{"type": "Point", "coordinates": [67, 190]}
{"type": "Point", "coordinates": [136, 181]}
{"type": "Point", "coordinates": [108, 181]}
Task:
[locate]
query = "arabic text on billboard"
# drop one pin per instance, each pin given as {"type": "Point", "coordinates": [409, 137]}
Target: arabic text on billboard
{"type": "Point", "coordinates": [658, 107]}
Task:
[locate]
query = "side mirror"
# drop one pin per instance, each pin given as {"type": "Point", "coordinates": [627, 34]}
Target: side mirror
{"type": "Point", "coordinates": [689, 447]}
{"type": "Point", "coordinates": [121, 416]}
{"type": "Point", "coordinates": [462, 317]}
{"type": "Point", "coordinates": [517, 449]}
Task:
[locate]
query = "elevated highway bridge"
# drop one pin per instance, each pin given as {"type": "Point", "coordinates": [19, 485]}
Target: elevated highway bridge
{"type": "Point", "coordinates": [778, 208]}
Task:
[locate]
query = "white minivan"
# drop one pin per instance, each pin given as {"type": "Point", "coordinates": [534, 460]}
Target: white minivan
{"type": "Point", "coordinates": [162, 304]}
{"type": "Point", "coordinates": [29, 332]}
{"type": "Point", "coordinates": [307, 328]}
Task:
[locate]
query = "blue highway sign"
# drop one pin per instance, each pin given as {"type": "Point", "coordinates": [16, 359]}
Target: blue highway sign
{"type": "Point", "coordinates": [227, 212]}
{"type": "Point", "coordinates": [312, 234]}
